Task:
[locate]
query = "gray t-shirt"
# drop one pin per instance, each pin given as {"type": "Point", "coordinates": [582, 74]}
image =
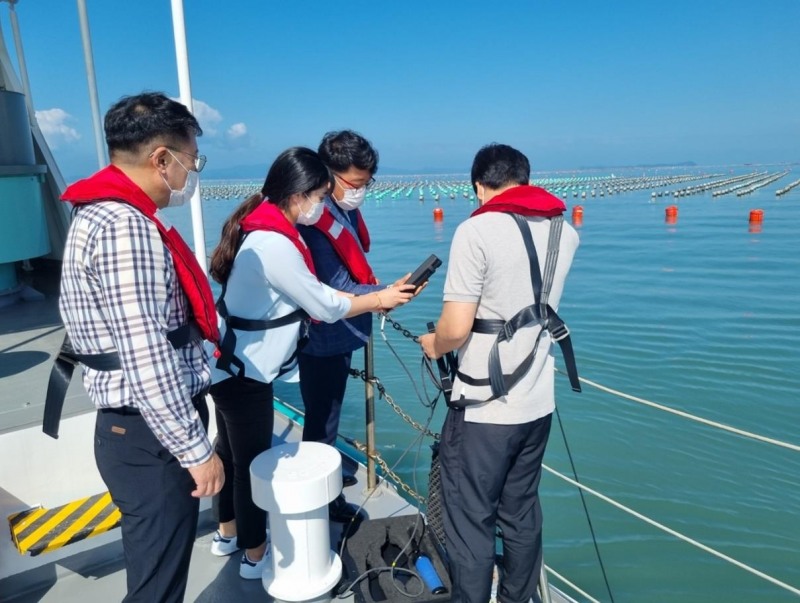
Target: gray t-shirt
{"type": "Point", "coordinates": [489, 266]}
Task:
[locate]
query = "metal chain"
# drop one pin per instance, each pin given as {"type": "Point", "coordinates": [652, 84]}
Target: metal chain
{"type": "Point", "coordinates": [388, 472]}
{"type": "Point", "coordinates": [390, 401]}
{"type": "Point", "coordinates": [398, 327]}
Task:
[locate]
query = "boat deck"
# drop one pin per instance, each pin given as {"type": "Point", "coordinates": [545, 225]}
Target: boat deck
{"type": "Point", "coordinates": [38, 470]}
{"type": "Point", "coordinates": [99, 574]}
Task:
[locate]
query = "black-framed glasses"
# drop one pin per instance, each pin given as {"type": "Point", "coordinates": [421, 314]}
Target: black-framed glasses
{"type": "Point", "coordinates": [199, 160]}
{"type": "Point", "coordinates": [369, 183]}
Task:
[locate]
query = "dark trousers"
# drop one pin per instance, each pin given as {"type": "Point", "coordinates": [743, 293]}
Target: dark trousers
{"type": "Point", "coordinates": [323, 381]}
{"type": "Point", "coordinates": [245, 418]}
{"type": "Point", "coordinates": [490, 478]}
{"type": "Point", "coordinates": [153, 493]}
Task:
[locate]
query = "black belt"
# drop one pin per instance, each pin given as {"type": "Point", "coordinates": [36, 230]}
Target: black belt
{"type": "Point", "coordinates": [197, 400]}
{"type": "Point", "coordinates": [67, 359]}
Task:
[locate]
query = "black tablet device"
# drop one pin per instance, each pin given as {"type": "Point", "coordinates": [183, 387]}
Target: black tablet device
{"type": "Point", "coordinates": [424, 272]}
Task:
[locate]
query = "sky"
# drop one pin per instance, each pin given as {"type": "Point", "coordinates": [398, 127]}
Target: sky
{"type": "Point", "coordinates": [570, 83]}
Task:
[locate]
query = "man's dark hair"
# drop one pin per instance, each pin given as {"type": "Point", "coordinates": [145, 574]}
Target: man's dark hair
{"type": "Point", "coordinates": [136, 120]}
{"type": "Point", "coordinates": [345, 149]}
{"type": "Point", "coordinates": [499, 165]}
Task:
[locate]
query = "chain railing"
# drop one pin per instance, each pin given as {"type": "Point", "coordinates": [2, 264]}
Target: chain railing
{"type": "Point", "coordinates": [369, 449]}
{"type": "Point", "coordinates": [382, 393]}
{"type": "Point", "coordinates": [398, 327]}
{"type": "Point", "coordinates": [386, 470]}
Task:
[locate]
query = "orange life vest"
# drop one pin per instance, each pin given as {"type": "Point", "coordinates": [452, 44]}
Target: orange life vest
{"type": "Point", "coordinates": [111, 184]}
{"type": "Point", "coordinates": [346, 246]}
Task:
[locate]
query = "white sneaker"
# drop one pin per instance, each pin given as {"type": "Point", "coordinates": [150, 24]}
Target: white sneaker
{"type": "Point", "coordinates": [252, 570]}
{"type": "Point", "coordinates": [222, 547]}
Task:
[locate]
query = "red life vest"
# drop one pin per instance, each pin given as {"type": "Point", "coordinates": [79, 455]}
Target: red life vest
{"type": "Point", "coordinates": [346, 246]}
{"type": "Point", "coordinates": [525, 200]}
{"type": "Point", "coordinates": [268, 217]}
{"type": "Point", "coordinates": [111, 184]}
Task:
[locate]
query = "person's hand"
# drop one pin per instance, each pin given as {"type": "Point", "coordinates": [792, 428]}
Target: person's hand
{"type": "Point", "coordinates": [391, 297]}
{"type": "Point", "coordinates": [402, 281]}
{"type": "Point", "coordinates": [426, 342]}
{"type": "Point", "coordinates": [208, 477]}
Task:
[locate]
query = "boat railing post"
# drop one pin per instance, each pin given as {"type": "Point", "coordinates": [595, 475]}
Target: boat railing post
{"type": "Point", "coordinates": [369, 396]}
{"type": "Point", "coordinates": [91, 80]}
{"type": "Point", "coordinates": [544, 586]}
{"type": "Point", "coordinates": [185, 88]}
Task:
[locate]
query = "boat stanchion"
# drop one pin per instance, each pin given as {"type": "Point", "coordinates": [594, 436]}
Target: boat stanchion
{"type": "Point", "coordinates": [294, 483]}
{"type": "Point", "coordinates": [369, 413]}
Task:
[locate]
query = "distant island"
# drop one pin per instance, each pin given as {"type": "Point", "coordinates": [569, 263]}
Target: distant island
{"type": "Point", "coordinates": [639, 165]}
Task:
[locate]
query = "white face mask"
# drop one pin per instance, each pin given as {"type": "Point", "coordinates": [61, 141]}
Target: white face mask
{"type": "Point", "coordinates": [179, 197]}
{"type": "Point", "coordinates": [353, 198]}
{"type": "Point", "coordinates": [313, 215]}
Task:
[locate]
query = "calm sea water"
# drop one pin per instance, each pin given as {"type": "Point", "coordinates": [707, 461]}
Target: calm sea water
{"type": "Point", "coordinates": [702, 316]}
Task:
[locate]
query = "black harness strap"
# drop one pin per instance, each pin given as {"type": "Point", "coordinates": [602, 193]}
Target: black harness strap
{"type": "Point", "coordinates": [539, 312]}
{"type": "Point", "coordinates": [227, 347]}
{"type": "Point", "coordinates": [67, 359]}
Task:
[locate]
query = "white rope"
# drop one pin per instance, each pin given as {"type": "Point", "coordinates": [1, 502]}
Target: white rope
{"type": "Point", "coordinates": [678, 535]}
{"type": "Point", "coordinates": [570, 584]}
{"type": "Point", "coordinates": [686, 415]}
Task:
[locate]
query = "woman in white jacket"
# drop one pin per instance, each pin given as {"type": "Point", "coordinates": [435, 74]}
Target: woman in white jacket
{"type": "Point", "coordinates": [267, 273]}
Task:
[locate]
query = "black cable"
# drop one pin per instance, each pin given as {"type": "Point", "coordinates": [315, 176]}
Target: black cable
{"type": "Point", "coordinates": [585, 508]}
{"type": "Point", "coordinates": [428, 403]}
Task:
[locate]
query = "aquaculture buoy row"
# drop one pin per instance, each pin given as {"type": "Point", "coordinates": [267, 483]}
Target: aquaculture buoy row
{"type": "Point", "coordinates": [456, 187]}
{"type": "Point", "coordinates": [761, 184]}
{"type": "Point", "coordinates": [787, 188]}
{"type": "Point", "coordinates": [746, 185]}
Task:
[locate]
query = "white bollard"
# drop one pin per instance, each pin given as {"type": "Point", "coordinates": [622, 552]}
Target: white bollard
{"type": "Point", "coordinates": [295, 483]}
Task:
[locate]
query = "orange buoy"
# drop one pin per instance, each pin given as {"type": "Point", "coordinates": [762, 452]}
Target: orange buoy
{"type": "Point", "coordinates": [438, 214]}
{"type": "Point", "coordinates": [756, 216]}
{"type": "Point", "coordinates": [671, 214]}
{"type": "Point", "coordinates": [577, 215]}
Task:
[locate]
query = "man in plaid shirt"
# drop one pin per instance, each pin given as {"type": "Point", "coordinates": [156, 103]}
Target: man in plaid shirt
{"type": "Point", "coordinates": [123, 292]}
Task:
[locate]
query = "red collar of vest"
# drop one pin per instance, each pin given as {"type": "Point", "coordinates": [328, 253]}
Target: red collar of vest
{"type": "Point", "coordinates": [525, 200]}
{"type": "Point", "coordinates": [346, 246]}
{"type": "Point", "coordinates": [268, 217]}
{"type": "Point", "coordinates": [361, 229]}
{"type": "Point", "coordinates": [111, 184]}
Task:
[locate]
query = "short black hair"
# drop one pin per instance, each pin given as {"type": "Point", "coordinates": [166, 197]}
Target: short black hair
{"type": "Point", "coordinates": [345, 149]}
{"type": "Point", "coordinates": [136, 120]}
{"type": "Point", "coordinates": [499, 165]}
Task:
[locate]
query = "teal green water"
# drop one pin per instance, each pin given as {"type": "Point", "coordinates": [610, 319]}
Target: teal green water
{"type": "Point", "coordinates": [702, 316]}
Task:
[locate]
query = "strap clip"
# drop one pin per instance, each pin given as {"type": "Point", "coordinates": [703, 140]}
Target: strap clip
{"type": "Point", "coordinates": [559, 330]}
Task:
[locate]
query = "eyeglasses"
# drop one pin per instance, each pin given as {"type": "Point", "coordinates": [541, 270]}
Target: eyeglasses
{"type": "Point", "coordinates": [369, 183]}
{"type": "Point", "coordinates": [199, 160]}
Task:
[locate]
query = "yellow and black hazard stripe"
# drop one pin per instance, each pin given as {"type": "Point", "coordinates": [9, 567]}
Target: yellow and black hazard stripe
{"type": "Point", "coordinates": [40, 530]}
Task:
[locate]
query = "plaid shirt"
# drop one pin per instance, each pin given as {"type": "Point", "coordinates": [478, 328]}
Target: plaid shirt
{"type": "Point", "coordinates": [348, 334]}
{"type": "Point", "coordinates": [119, 292]}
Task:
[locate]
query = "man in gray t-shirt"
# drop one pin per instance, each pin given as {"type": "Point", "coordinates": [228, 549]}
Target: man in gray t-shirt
{"type": "Point", "coordinates": [491, 449]}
